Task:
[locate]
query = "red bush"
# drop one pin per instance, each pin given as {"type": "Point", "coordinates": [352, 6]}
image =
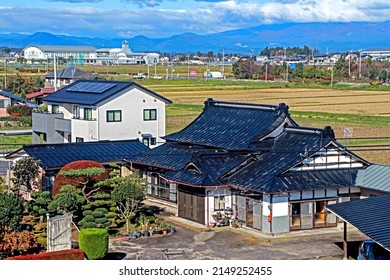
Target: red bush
{"type": "Point", "coordinates": [80, 164]}
{"type": "Point", "coordinates": [18, 243]}
{"type": "Point", "coordinates": [72, 254]}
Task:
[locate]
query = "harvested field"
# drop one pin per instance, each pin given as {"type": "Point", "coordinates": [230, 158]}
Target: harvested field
{"type": "Point", "coordinates": [366, 113]}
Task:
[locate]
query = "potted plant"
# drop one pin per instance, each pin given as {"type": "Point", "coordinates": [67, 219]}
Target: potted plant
{"type": "Point", "coordinates": [165, 228]}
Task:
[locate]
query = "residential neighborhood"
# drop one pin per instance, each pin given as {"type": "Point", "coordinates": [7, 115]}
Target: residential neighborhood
{"type": "Point", "coordinates": [114, 150]}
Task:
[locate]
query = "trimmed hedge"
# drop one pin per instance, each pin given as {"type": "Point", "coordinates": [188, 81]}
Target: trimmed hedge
{"type": "Point", "coordinates": [72, 254]}
{"type": "Point", "coordinates": [94, 242]}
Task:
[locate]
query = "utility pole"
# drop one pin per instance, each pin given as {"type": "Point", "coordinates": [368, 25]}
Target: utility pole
{"type": "Point", "coordinates": [250, 64]}
{"type": "Point", "coordinates": [331, 75]}
{"type": "Point", "coordinates": [349, 64]}
{"type": "Point", "coordinates": [360, 64]}
{"type": "Point", "coordinates": [55, 72]}
{"type": "Point", "coordinates": [5, 72]}
{"type": "Point", "coordinates": [188, 67]}
{"type": "Point", "coordinates": [285, 55]}
{"type": "Point", "coordinates": [9, 178]}
{"type": "Point", "coordinates": [266, 72]}
{"type": "Point", "coordinates": [223, 63]}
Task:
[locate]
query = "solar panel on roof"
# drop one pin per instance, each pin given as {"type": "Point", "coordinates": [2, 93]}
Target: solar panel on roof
{"type": "Point", "coordinates": [91, 87]}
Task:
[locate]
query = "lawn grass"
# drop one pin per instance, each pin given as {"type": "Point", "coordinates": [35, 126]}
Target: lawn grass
{"type": "Point", "coordinates": [14, 142]}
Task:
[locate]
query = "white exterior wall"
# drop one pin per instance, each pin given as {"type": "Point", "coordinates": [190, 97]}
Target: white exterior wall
{"type": "Point", "coordinates": [88, 130]}
{"type": "Point", "coordinates": [33, 53]}
{"type": "Point", "coordinates": [36, 53]}
{"type": "Point", "coordinates": [132, 104]}
{"type": "Point", "coordinates": [280, 206]}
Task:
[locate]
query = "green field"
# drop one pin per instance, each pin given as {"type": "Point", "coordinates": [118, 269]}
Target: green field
{"type": "Point", "coordinates": [363, 109]}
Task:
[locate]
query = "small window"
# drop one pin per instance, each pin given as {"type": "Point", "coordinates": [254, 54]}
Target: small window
{"type": "Point", "coordinates": [146, 141]}
{"type": "Point", "coordinates": [219, 203]}
{"type": "Point", "coordinates": [114, 116]}
{"type": "Point", "coordinates": [79, 139]}
{"type": "Point", "coordinates": [55, 109]}
{"type": "Point", "coordinates": [150, 114]}
{"type": "Point", "coordinates": [149, 141]}
{"type": "Point", "coordinates": [76, 112]}
{"type": "Point", "coordinates": [88, 114]}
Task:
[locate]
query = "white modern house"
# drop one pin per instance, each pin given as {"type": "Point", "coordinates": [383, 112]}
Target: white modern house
{"type": "Point", "coordinates": [95, 110]}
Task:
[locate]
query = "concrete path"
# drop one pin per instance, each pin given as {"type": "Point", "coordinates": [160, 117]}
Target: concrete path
{"type": "Point", "coordinates": [194, 241]}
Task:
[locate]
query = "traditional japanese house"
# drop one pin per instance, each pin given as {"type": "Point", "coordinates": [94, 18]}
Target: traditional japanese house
{"type": "Point", "coordinates": [255, 163]}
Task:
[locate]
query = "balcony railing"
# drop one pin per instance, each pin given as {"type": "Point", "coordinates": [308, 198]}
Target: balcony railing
{"type": "Point", "coordinates": [45, 121]}
{"type": "Point", "coordinates": [63, 125]}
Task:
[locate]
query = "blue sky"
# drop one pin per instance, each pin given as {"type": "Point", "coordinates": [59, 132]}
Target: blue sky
{"type": "Point", "coordinates": [164, 18]}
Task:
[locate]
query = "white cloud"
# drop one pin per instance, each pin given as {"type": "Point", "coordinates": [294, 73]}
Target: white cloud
{"type": "Point", "coordinates": [155, 20]}
{"type": "Point", "coordinates": [306, 10]}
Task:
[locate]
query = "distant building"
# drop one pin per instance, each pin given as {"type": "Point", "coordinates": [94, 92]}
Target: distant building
{"type": "Point", "coordinates": [78, 54]}
{"type": "Point", "coordinates": [64, 77]}
{"type": "Point", "coordinates": [67, 76]}
{"type": "Point", "coordinates": [8, 99]}
{"type": "Point", "coordinates": [124, 55]}
{"type": "Point", "coordinates": [377, 54]}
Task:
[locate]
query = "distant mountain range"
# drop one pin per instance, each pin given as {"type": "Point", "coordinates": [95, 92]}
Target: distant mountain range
{"type": "Point", "coordinates": [332, 37]}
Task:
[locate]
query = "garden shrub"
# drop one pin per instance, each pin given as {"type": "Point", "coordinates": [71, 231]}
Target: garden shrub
{"type": "Point", "coordinates": [11, 210]}
{"type": "Point", "coordinates": [21, 111]}
{"type": "Point", "coordinates": [71, 254]}
{"type": "Point", "coordinates": [94, 242]}
{"type": "Point", "coordinates": [18, 243]}
{"type": "Point", "coordinates": [61, 180]}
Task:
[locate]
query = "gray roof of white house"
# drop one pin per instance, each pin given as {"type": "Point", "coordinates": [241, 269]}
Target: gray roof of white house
{"type": "Point", "coordinates": [47, 48]}
{"type": "Point", "coordinates": [375, 177]}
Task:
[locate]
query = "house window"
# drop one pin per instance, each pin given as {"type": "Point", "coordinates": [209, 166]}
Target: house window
{"type": "Point", "coordinates": [150, 114]}
{"type": "Point", "coordinates": [114, 116]}
{"type": "Point", "coordinates": [79, 139]}
{"type": "Point", "coordinates": [149, 141]}
{"type": "Point", "coordinates": [219, 203]}
{"type": "Point", "coordinates": [311, 214]}
{"type": "Point", "coordinates": [4, 103]}
{"type": "Point", "coordinates": [76, 112]}
{"type": "Point", "coordinates": [88, 114]}
{"type": "Point", "coordinates": [55, 109]}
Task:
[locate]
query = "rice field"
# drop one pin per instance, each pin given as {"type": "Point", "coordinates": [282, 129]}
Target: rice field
{"type": "Point", "coordinates": [365, 113]}
{"type": "Point", "coordinates": [363, 110]}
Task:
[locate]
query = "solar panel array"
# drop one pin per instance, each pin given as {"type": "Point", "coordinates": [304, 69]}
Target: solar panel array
{"type": "Point", "coordinates": [91, 87]}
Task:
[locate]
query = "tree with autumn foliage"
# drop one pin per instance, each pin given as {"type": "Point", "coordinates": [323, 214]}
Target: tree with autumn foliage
{"type": "Point", "coordinates": [21, 85]}
{"type": "Point", "coordinates": [83, 174]}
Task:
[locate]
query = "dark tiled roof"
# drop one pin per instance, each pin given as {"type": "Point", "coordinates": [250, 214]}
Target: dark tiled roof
{"type": "Point", "coordinates": [57, 155]}
{"type": "Point", "coordinates": [17, 98]}
{"type": "Point", "coordinates": [370, 216]}
{"type": "Point", "coordinates": [206, 169]}
{"type": "Point", "coordinates": [169, 156]}
{"type": "Point", "coordinates": [71, 73]}
{"type": "Point", "coordinates": [91, 92]}
{"type": "Point", "coordinates": [233, 126]}
{"type": "Point", "coordinates": [314, 179]}
{"type": "Point", "coordinates": [287, 150]}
